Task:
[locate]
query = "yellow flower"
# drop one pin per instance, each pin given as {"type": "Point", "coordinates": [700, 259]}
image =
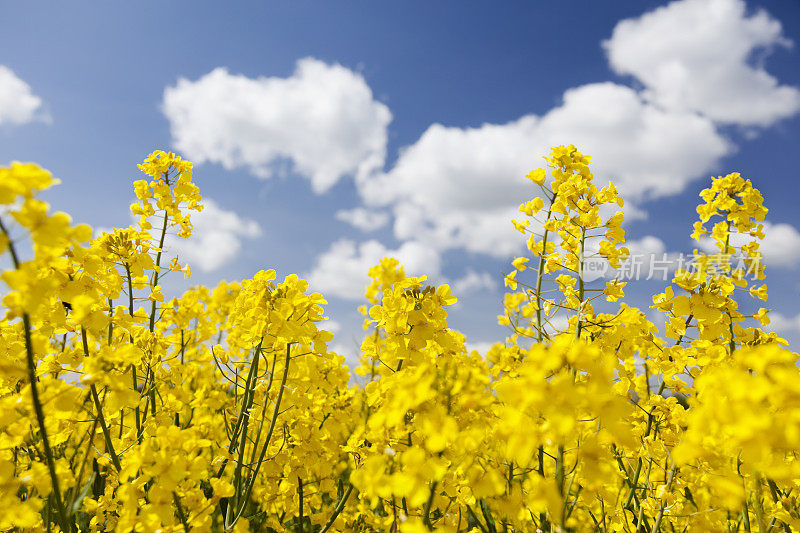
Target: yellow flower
{"type": "Point", "coordinates": [537, 176]}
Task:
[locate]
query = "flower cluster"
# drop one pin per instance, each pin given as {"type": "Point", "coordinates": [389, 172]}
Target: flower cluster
{"type": "Point", "coordinates": [562, 241]}
{"type": "Point", "coordinates": [224, 409]}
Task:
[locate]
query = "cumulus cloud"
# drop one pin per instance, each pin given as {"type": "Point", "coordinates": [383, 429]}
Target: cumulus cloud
{"type": "Point", "coordinates": [332, 325]}
{"type": "Point", "coordinates": [458, 187]}
{"type": "Point", "coordinates": [780, 247]}
{"type": "Point", "coordinates": [648, 260]}
{"type": "Point", "coordinates": [783, 324]}
{"type": "Point", "coordinates": [697, 55]}
{"type": "Point", "coordinates": [342, 269]}
{"type": "Point", "coordinates": [474, 281]}
{"type": "Point", "coordinates": [216, 237]}
{"type": "Point", "coordinates": [322, 120]}
{"type": "Point", "coordinates": [480, 347]}
{"type": "Point", "coordinates": [363, 219]}
{"type": "Point", "coordinates": [18, 104]}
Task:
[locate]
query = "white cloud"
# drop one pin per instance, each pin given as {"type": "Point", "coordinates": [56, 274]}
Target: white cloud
{"type": "Point", "coordinates": [342, 269]}
{"type": "Point", "coordinates": [216, 237]}
{"type": "Point", "coordinates": [18, 104]}
{"type": "Point", "coordinates": [323, 119]}
{"type": "Point", "coordinates": [780, 247]}
{"type": "Point", "coordinates": [783, 324]}
{"type": "Point", "coordinates": [480, 347]}
{"type": "Point", "coordinates": [331, 325]}
{"type": "Point", "coordinates": [472, 282]}
{"type": "Point", "coordinates": [697, 55]}
{"type": "Point", "coordinates": [363, 219]}
{"type": "Point", "coordinates": [351, 351]}
{"type": "Point", "coordinates": [648, 260]}
{"type": "Point", "coordinates": [459, 187]}
{"type": "Point", "coordinates": [557, 322]}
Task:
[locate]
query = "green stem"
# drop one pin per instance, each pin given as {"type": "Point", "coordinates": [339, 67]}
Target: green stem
{"type": "Point", "coordinates": [242, 411]}
{"type": "Point", "coordinates": [37, 404]}
{"type": "Point", "coordinates": [540, 460]}
{"type": "Point", "coordinates": [540, 273]}
{"type": "Point", "coordinates": [155, 272]}
{"type": "Point", "coordinates": [300, 517]}
{"type": "Point", "coordinates": [252, 479]}
{"type": "Point", "coordinates": [746, 517]}
{"type": "Point", "coordinates": [37, 407]}
{"type": "Point", "coordinates": [560, 470]}
{"type": "Point", "coordinates": [581, 288]}
{"type": "Point", "coordinates": [758, 504]}
{"type": "Point", "coordinates": [153, 307]}
{"type": "Point", "coordinates": [426, 511]}
{"type": "Point", "coordinates": [180, 512]}
{"type": "Point", "coordinates": [99, 407]}
{"type": "Point", "coordinates": [660, 516]}
{"type": "Point", "coordinates": [104, 428]}
{"type": "Point", "coordinates": [133, 366]}
{"type": "Point", "coordinates": [337, 510]}
{"type": "Point", "coordinates": [247, 403]}
{"type": "Point", "coordinates": [732, 342]}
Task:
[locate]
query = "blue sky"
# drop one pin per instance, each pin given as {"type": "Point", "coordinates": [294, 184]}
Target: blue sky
{"type": "Point", "coordinates": [421, 116]}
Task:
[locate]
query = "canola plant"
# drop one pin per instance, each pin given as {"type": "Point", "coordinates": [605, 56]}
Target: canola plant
{"type": "Point", "coordinates": [223, 409]}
